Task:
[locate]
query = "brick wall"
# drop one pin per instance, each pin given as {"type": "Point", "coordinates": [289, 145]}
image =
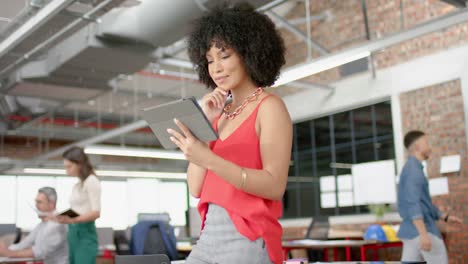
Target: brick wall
{"type": "Point", "coordinates": [438, 110]}
{"type": "Point", "coordinates": [346, 29]}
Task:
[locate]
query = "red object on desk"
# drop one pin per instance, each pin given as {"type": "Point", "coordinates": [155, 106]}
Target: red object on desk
{"type": "Point", "coordinates": [107, 254]}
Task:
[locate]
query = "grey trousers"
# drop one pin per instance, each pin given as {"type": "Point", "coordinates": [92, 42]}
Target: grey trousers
{"type": "Point", "coordinates": [412, 251]}
{"type": "Point", "coordinates": [220, 243]}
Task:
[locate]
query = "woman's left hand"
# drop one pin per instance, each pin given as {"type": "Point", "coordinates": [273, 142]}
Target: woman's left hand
{"type": "Point", "coordinates": [194, 150]}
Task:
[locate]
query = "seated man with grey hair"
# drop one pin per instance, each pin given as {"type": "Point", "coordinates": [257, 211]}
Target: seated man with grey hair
{"type": "Point", "coordinates": [48, 240]}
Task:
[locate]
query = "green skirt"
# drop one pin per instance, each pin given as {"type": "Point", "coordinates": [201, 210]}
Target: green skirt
{"type": "Point", "coordinates": [82, 243]}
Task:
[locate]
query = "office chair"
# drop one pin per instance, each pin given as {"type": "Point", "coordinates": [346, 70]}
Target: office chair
{"type": "Point", "coordinates": [318, 228]}
{"type": "Point", "coordinates": [142, 259]}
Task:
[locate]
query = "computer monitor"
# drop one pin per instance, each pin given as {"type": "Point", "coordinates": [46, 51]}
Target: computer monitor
{"type": "Point", "coordinates": [7, 229]}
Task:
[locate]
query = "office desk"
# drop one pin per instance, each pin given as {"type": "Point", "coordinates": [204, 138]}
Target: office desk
{"type": "Point", "coordinates": [4, 260]}
{"type": "Point", "coordinates": [336, 262]}
{"type": "Point", "coordinates": [325, 245]}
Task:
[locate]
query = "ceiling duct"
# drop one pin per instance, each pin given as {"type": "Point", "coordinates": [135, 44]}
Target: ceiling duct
{"type": "Point", "coordinates": [158, 23]}
{"type": "Point", "coordinates": [121, 43]}
{"type": "Point", "coordinates": [84, 60]}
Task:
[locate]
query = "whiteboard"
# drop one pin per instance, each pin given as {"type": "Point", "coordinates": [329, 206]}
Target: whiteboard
{"type": "Point", "coordinates": [374, 182]}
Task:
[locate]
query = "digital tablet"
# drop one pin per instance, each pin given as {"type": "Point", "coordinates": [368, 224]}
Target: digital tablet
{"type": "Point", "coordinates": [187, 111]}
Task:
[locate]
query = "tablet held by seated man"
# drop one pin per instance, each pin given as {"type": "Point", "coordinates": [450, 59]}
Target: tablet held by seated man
{"type": "Point", "coordinates": [48, 241]}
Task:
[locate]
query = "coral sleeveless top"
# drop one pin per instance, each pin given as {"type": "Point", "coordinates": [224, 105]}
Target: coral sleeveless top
{"type": "Point", "coordinates": [253, 216]}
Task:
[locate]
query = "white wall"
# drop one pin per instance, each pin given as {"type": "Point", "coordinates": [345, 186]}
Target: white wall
{"type": "Point", "coordinates": [363, 90]}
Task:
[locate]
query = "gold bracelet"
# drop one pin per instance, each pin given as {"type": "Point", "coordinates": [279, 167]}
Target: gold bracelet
{"type": "Point", "coordinates": [244, 178]}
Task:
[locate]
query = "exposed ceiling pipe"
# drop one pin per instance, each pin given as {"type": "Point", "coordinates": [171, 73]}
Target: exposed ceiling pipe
{"type": "Point", "coordinates": [18, 19]}
{"type": "Point", "coordinates": [310, 85]}
{"type": "Point", "coordinates": [172, 49]}
{"type": "Point", "coordinates": [271, 5]}
{"type": "Point", "coordinates": [323, 16]}
{"type": "Point", "coordinates": [171, 75]}
{"type": "Point", "coordinates": [177, 63]}
{"type": "Point", "coordinates": [55, 36]}
{"type": "Point", "coordinates": [44, 15]}
{"type": "Point", "coordinates": [310, 43]}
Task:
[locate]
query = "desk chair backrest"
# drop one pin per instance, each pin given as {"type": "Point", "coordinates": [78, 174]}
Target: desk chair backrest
{"type": "Point", "coordinates": [153, 237]}
{"type": "Point", "coordinates": [318, 228]}
{"type": "Point", "coordinates": [142, 259]}
{"type": "Point", "coordinates": [122, 242]}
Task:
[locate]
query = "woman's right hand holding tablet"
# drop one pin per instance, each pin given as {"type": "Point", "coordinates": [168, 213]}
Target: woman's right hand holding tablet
{"type": "Point", "coordinates": [213, 103]}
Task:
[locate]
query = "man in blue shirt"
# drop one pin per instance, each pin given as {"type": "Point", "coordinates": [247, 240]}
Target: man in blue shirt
{"type": "Point", "coordinates": [418, 230]}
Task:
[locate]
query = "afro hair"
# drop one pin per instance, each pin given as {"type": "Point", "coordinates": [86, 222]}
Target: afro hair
{"type": "Point", "coordinates": [250, 34]}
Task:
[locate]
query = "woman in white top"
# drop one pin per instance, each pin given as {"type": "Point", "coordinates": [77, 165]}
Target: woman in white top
{"type": "Point", "coordinates": [86, 201]}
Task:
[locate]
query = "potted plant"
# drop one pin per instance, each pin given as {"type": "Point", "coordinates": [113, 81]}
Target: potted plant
{"type": "Point", "coordinates": [379, 211]}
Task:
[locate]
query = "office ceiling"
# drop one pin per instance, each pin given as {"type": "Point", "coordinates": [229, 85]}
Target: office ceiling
{"type": "Point", "coordinates": [81, 70]}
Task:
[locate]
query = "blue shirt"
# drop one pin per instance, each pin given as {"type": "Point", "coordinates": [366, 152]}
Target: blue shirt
{"type": "Point", "coordinates": [414, 201]}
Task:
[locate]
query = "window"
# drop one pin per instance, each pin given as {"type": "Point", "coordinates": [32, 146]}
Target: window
{"type": "Point", "coordinates": [133, 196]}
{"type": "Point", "coordinates": [142, 197]}
{"type": "Point", "coordinates": [323, 149]}
{"type": "Point", "coordinates": [8, 206]}
{"type": "Point", "coordinates": [114, 201]}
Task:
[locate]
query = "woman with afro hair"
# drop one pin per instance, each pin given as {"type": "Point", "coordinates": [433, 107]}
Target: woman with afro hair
{"type": "Point", "coordinates": [241, 177]}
